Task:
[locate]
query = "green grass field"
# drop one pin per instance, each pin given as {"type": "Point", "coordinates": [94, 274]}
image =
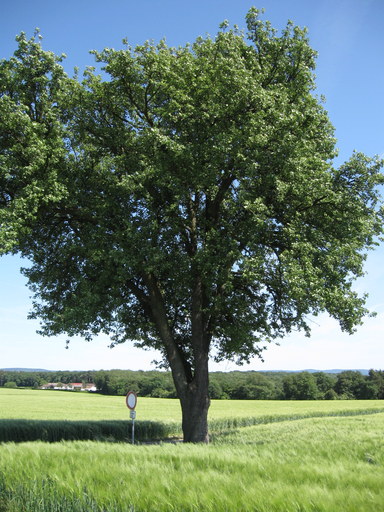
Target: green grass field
{"type": "Point", "coordinates": [315, 464]}
{"type": "Point", "coordinates": [62, 405]}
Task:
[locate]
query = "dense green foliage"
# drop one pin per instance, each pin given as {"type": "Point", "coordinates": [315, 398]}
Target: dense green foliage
{"type": "Point", "coordinates": [347, 384]}
{"type": "Point", "coordinates": [184, 198]}
{"type": "Point", "coordinates": [323, 464]}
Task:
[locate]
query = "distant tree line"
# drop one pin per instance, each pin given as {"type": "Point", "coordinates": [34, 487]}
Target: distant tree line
{"type": "Point", "coordinates": [237, 385]}
{"type": "Point", "coordinates": [35, 379]}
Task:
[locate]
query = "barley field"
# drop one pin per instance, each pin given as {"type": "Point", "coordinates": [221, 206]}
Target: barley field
{"type": "Point", "coordinates": [303, 457]}
{"type": "Point", "coordinates": [62, 405]}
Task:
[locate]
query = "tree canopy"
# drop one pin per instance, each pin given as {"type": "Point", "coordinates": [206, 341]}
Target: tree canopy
{"type": "Point", "coordinates": [184, 198]}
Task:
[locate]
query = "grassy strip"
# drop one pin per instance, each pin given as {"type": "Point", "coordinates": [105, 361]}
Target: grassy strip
{"type": "Point", "coordinates": [61, 405]}
{"type": "Point", "coordinates": [54, 431]}
{"type": "Point", "coordinates": [228, 424]}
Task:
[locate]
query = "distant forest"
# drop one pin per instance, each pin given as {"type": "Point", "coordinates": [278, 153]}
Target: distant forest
{"type": "Point", "coordinates": [237, 385]}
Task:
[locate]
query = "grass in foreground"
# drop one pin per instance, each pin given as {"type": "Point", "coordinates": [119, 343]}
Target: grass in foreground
{"type": "Point", "coordinates": [310, 465]}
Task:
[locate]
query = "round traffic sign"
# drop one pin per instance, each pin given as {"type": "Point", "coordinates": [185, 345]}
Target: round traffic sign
{"type": "Point", "coordinates": [131, 400]}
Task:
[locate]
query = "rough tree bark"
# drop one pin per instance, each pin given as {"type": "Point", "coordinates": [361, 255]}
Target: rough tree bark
{"type": "Point", "coordinates": [194, 405]}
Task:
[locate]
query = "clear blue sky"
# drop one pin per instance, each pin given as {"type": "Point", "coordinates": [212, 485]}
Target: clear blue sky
{"type": "Point", "coordinates": [349, 36]}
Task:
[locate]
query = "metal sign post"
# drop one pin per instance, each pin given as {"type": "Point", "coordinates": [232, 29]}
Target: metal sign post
{"type": "Point", "coordinates": [131, 401]}
{"type": "Point", "coordinates": [133, 416]}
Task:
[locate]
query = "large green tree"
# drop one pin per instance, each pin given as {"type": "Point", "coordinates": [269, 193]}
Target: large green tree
{"type": "Point", "coordinates": [184, 198]}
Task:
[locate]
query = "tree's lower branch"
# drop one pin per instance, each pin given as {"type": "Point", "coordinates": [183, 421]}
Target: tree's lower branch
{"type": "Point", "coordinates": [180, 367]}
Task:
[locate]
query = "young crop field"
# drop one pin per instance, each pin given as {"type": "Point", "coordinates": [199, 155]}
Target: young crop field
{"type": "Point", "coordinates": [302, 457]}
{"type": "Point", "coordinates": [63, 405]}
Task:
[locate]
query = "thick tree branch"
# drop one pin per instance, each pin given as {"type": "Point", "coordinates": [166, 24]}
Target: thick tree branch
{"type": "Point", "coordinates": [179, 366]}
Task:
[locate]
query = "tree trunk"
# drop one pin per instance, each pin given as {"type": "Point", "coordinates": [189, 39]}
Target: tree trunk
{"type": "Point", "coordinates": [194, 400]}
{"type": "Point", "coordinates": [194, 397]}
{"type": "Point", "coordinates": [191, 381]}
{"type": "Point", "coordinates": [194, 407]}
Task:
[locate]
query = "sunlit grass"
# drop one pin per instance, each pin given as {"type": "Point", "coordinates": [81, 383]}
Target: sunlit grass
{"type": "Point", "coordinates": [62, 405]}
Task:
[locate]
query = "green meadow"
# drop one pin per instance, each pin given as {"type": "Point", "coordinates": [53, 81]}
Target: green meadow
{"type": "Point", "coordinates": [303, 456]}
{"type": "Point", "coordinates": [62, 405]}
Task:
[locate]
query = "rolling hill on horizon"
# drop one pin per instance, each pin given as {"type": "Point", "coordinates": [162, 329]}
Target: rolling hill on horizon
{"type": "Point", "coordinates": [333, 371]}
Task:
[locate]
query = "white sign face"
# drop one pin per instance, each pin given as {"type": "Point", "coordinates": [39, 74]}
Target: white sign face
{"type": "Point", "coordinates": [131, 400]}
{"type": "Point", "coordinates": [132, 414]}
